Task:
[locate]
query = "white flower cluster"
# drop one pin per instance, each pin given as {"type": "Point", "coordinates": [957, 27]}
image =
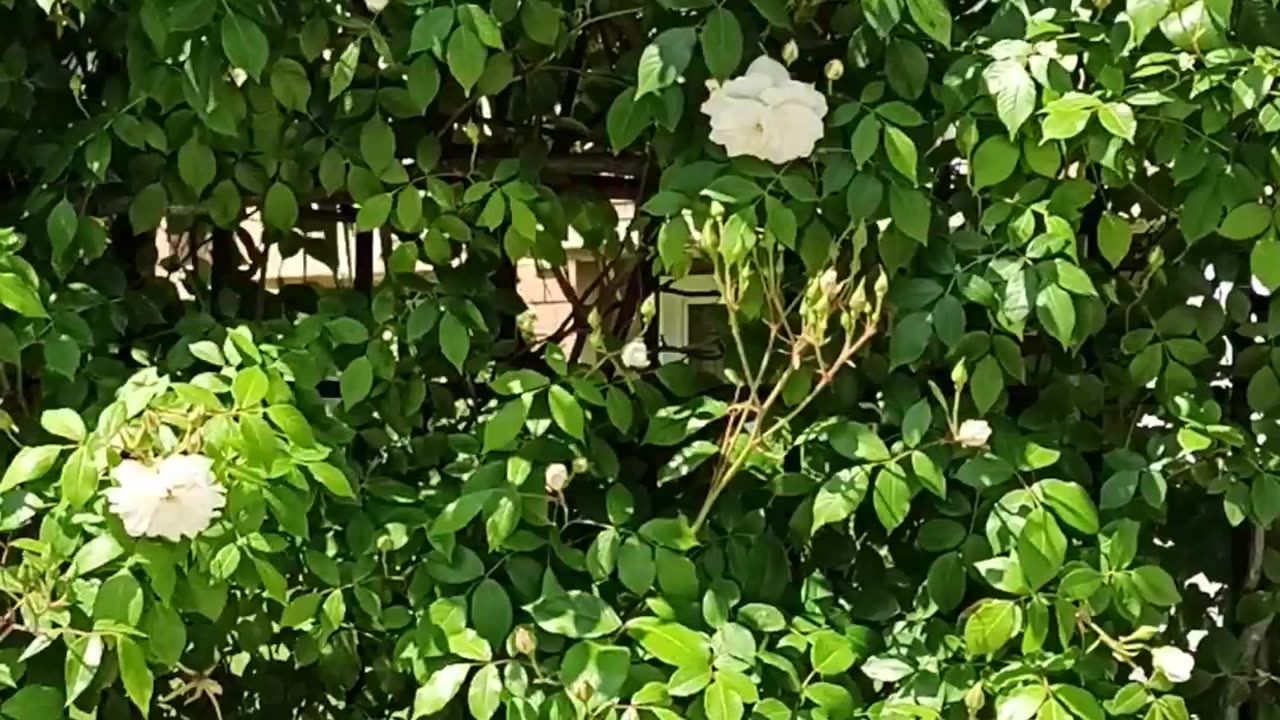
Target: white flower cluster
{"type": "Point", "coordinates": [766, 114]}
{"type": "Point", "coordinates": [175, 499]}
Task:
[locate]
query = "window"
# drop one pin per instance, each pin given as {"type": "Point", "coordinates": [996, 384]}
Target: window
{"type": "Point", "coordinates": [692, 322]}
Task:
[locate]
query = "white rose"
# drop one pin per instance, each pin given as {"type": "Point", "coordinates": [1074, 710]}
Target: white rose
{"type": "Point", "coordinates": [376, 6]}
{"type": "Point", "coordinates": [635, 355]}
{"type": "Point", "coordinates": [766, 114]}
{"type": "Point", "coordinates": [556, 478]}
{"type": "Point", "coordinates": [973, 433]}
{"type": "Point", "coordinates": [1173, 663]}
{"type": "Point", "coordinates": [177, 498]}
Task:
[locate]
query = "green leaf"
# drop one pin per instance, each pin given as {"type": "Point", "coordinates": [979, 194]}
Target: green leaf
{"type": "Point", "coordinates": [491, 612]}
{"type": "Point", "coordinates": [134, 674]}
{"type": "Point", "coordinates": [63, 422]}
{"type": "Point", "coordinates": [439, 689]}
{"type": "Point", "coordinates": [1041, 549]}
{"type": "Point", "coordinates": [466, 57]}
{"type": "Point", "coordinates": [994, 161]}
{"type": "Point", "coordinates": [664, 59]}
{"type": "Point", "coordinates": [839, 497]}
{"type": "Point", "coordinates": [484, 695]}
{"type": "Point", "coordinates": [356, 381]}
{"type": "Point", "coordinates": [1064, 124]}
{"type": "Point", "coordinates": [891, 498]}
{"type": "Point", "coordinates": [245, 44]}
{"type": "Point", "coordinates": [501, 429]}
{"type": "Point", "coordinates": [31, 463]}
{"type": "Point", "coordinates": [1057, 313]}
{"type": "Point", "coordinates": [455, 341]}
{"type": "Point", "coordinates": [1118, 119]}
{"type": "Point", "coordinates": [946, 581]}
{"type": "Point", "coordinates": [374, 212]}
{"type": "Point", "coordinates": [1156, 586]}
{"type": "Point", "coordinates": [280, 207]}
{"type": "Point", "coordinates": [1144, 16]}
{"type": "Point", "coordinates": [1070, 502]}
{"type": "Point", "coordinates": [34, 702]}
{"type": "Point", "coordinates": [422, 80]}
{"type": "Point", "coordinates": [1264, 262]}
{"type": "Point", "coordinates": [933, 18]}
{"type": "Point", "coordinates": [574, 614]}
{"type": "Point", "coordinates": [566, 411]}
{"type": "Point", "coordinates": [1014, 91]}
{"type": "Point", "coordinates": [377, 144]}
{"type": "Point", "coordinates": [79, 478]}
{"type": "Point", "coordinates": [344, 71]}
{"type": "Point", "coordinates": [866, 138]}
{"type": "Point", "coordinates": [626, 119]}
{"type": "Point", "coordinates": [290, 84]}
{"type": "Point", "coordinates": [61, 226]}
{"type": "Point", "coordinates": [1114, 238]}
{"type": "Point", "coordinates": [333, 479]}
{"type": "Point", "coordinates": [721, 702]}
{"type": "Point", "coordinates": [901, 151]}
{"type": "Point", "coordinates": [430, 30]}
{"type": "Point", "coordinates": [909, 339]}
{"type": "Point", "coordinates": [830, 653]}
{"type": "Point", "coordinates": [84, 657]}
{"type": "Point", "coordinates": [541, 21]}
{"type": "Point", "coordinates": [987, 384]}
{"type": "Point", "coordinates": [145, 212]}
{"type": "Point", "coordinates": [670, 642]}
{"type": "Point", "coordinates": [1022, 703]}
{"type": "Point", "coordinates": [911, 212]}
{"type": "Point", "coordinates": [300, 610]}
{"type": "Point", "coordinates": [992, 625]}
{"type": "Point", "coordinates": [1081, 703]}
{"type": "Point", "coordinates": [636, 568]}
{"type": "Point", "coordinates": [1245, 222]}
{"type": "Point", "coordinates": [721, 40]}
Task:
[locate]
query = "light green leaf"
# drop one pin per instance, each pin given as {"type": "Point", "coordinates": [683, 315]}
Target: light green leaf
{"type": "Point", "coordinates": [439, 689]}
{"type": "Point", "coordinates": [933, 18]}
{"type": "Point", "coordinates": [566, 411]}
{"type": "Point", "coordinates": [664, 59]}
{"type": "Point", "coordinates": [134, 674]}
{"type": "Point", "coordinates": [901, 151]}
{"type": "Point", "coordinates": [455, 341]}
{"type": "Point", "coordinates": [1014, 91]}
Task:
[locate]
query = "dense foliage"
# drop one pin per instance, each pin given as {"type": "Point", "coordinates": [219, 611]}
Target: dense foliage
{"type": "Point", "coordinates": [1052, 221]}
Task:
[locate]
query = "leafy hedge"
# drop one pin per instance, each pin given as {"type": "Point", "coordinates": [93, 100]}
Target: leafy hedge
{"type": "Point", "coordinates": [999, 381]}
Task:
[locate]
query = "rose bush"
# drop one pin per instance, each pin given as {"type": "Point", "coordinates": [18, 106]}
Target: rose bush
{"type": "Point", "coordinates": [992, 434]}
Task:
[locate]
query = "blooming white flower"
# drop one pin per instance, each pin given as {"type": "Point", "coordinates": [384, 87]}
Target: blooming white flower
{"type": "Point", "coordinates": [829, 281]}
{"type": "Point", "coordinates": [766, 114]}
{"type": "Point", "coordinates": [175, 499]}
{"type": "Point", "coordinates": [557, 477]}
{"type": "Point", "coordinates": [1174, 663]}
{"type": "Point", "coordinates": [973, 433]}
{"type": "Point", "coordinates": [635, 354]}
{"type": "Point", "coordinates": [376, 6]}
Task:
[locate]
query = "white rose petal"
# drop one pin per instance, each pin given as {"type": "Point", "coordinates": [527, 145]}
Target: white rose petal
{"type": "Point", "coordinates": [557, 477]}
{"type": "Point", "coordinates": [1174, 663]}
{"type": "Point", "coordinates": [766, 114]}
{"type": "Point", "coordinates": [177, 498]}
{"type": "Point", "coordinates": [973, 433]}
{"type": "Point", "coordinates": [635, 355]}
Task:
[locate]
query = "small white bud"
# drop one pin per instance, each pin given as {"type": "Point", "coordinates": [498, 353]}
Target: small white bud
{"type": "Point", "coordinates": [376, 6]}
{"type": "Point", "coordinates": [834, 69]}
{"type": "Point", "coordinates": [557, 477]}
{"type": "Point", "coordinates": [635, 354]}
{"type": "Point", "coordinates": [973, 433]}
{"type": "Point", "coordinates": [790, 52]}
